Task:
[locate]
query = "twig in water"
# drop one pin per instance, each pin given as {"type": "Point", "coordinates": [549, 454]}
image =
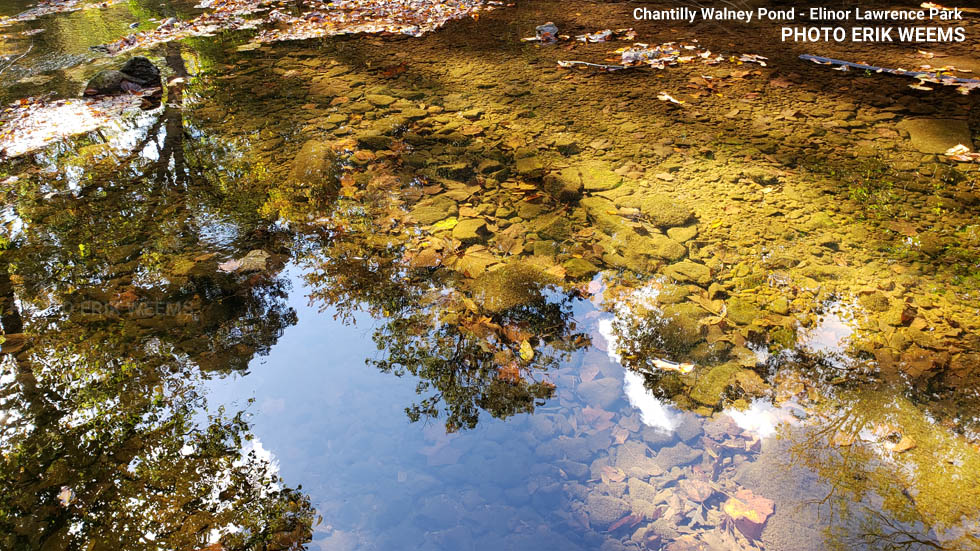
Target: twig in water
{"type": "Point", "coordinates": [16, 59]}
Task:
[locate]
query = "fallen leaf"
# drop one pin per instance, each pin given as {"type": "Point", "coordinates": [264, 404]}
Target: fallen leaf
{"type": "Point", "coordinates": [749, 512]}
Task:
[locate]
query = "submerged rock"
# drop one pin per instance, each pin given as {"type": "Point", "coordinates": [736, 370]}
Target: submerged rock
{"type": "Point", "coordinates": [601, 393]}
{"type": "Point", "coordinates": [515, 284]}
{"type": "Point", "coordinates": [677, 456]}
{"type": "Point", "coordinates": [142, 71]}
{"type": "Point", "coordinates": [470, 229]}
{"type": "Point", "coordinates": [591, 176]}
{"type": "Point", "coordinates": [138, 73]}
{"type": "Point", "coordinates": [605, 510]}
{"type": "Point", "coordinates": [315, 164]}
{"type": "Point", "coordinates": [689, 272]}
{"type": "Point", "coordinates": [662, 211]}
{"type": "Point", "coordinates": [433, 210]}
{"type": "Point", "coordinates": [105, 83]}
{"type": "Point", "coordinates": [710, 387]}
{"type": "Point", "coordinates": [937, 135]}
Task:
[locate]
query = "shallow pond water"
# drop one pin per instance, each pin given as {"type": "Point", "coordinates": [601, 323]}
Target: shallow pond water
{"type": "Point", "coordinates": [381, 292]}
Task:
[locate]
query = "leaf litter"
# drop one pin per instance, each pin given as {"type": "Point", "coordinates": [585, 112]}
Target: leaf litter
{"type": "Point", "coordinates": [315, 19]}
{"type": "Point", "coordinates": [49, 7]}
{"type": "Point", "coordinates": [33, 123]}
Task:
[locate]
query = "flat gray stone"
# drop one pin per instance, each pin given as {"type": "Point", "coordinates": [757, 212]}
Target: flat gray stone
{"type": "Point", "coordinates": [937, 135]}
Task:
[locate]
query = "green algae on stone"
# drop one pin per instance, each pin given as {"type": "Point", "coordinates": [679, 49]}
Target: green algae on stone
{"type": "Point", "coordinates": [578, 268]}
{"type": "Point", "coordinates": [680, 327]}
{"type": "Point", "coordinates": [514, 284]}
{"type": "Point", "coordinates": [689, 272]}
{"type": "Point", "coordinates": [710, 386]}
{"type": "Point", "coordinates": [591, 175]}
{"type": "Point", "coordinates": [315, 164]}
{"type": "Point", "coordinates": [743, 311]}
{"type": "Point", "coordinates": [661, 210]}
{"type": "Point", "coordinates": [433, 210]}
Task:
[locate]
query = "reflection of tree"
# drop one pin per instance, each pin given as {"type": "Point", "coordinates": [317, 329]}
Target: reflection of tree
{"type": "Point", "coordinates": [474, 344]}
{"type": "Point", "coordinates": [101, 448]}
{"type": "Point", "coordinates": [897, 480]}
{"type": "Point", "coordinates": [113, 311]}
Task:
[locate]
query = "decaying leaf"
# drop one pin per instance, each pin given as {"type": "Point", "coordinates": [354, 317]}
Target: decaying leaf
{"type": "Point", "coordinates": [749, 512]}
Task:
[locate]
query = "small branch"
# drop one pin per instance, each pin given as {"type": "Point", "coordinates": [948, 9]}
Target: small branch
{"type": "Point", "coordinates": [16, 59]}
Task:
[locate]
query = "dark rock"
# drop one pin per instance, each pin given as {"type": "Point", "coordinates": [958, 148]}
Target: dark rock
{"type": "Point", "coordinates": [138, 73]}
{"type": "Point", "coordinates": [105, 83]}
{"type": "Point", "coordinates": [142, 71]}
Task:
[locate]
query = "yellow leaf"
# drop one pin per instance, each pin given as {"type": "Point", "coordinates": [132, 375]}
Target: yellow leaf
{"type": "Point", "coordinates": [447, 224]}
{"type": "Point", "coordinates": [527, 352]}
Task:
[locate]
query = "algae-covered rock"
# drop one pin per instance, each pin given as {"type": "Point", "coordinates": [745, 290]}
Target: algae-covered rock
{"type": "Point", "coordinates": [780, 305]}
{"type": "Point", "coordinates": [683, 233]}
{"type": "Point", "coordinates": [937, 135]}
{"type": "Point", "coordinates": [632, 244]}
{"type": "Point", "coordinates": [470, 229]}
{"type": "Point", "coordinates": [591, 176]}
{"type": "Point", "coordinates": [603, 212]}
{"type": "Point", "coordinates": [557, 226]}
{"type": "Point", "coordinates": [374, 140]}
{"type": "Point", "coordinates": [515, 284]}
{"type": "Point", "coordinates": [689, 272]}
{"type": "Point", "coordinates": [751, 383]}
{"type": "Point", "coordinates": [379, 100]}
{"type": "Point", "coordinates": [564, 189]}
{"type": "Point", "coordinates": [662, 211]}
{"type": "Point", "coordinates": [743, 311]}
{"type": "Point", "coordinates": [433, 210]}
{"type": "Point", "coordinates": [875, 301]}
{"type": "Point", "coordinates": [578, 268]}
{"type": "Point", "coordinates": [820, 220]}
{"type": "Point", "coordinates": [104, 83]}
{"type": "Point", "coordinates": [529, 167]}
{"type": "Point", "coordinates": [680, 329]}
{"type": "Point", "coordinates": [314, 165]}
{"type": "Point", "coordinates": [711, 386]}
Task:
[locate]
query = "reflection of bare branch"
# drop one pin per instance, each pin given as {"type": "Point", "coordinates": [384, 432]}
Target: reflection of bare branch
{"type": "Point", "coordinates": [18, 58]}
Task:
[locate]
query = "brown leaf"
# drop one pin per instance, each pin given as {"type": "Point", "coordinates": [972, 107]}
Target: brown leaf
{"type": "Point", "coordinates": [749, 512]}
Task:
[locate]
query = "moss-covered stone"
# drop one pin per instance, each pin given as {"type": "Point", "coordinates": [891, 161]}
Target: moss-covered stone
{"type": "Point", "coordinates": [680, 329]}
{"type": "Point", "coordinates": [314, 165]}
{"type": "Point", "coordinates": [662, 211]}
{"type": "Point", "coordinates": [710, 386]}
{"type": "Point", "coordinates": [470, 229]}
{"type": "Point", "coordinates": [689, 272]}
{"type": "Point", "coordinates": [592, 175]}
{"type": "Point", "coordinates": [743, 311]}
{"type": "Point", "coordinates": [433, 210]}
{"type": "Point", "coordinates": [578, 268]}
{"type": "Point", "coordinates": [515, 284]}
